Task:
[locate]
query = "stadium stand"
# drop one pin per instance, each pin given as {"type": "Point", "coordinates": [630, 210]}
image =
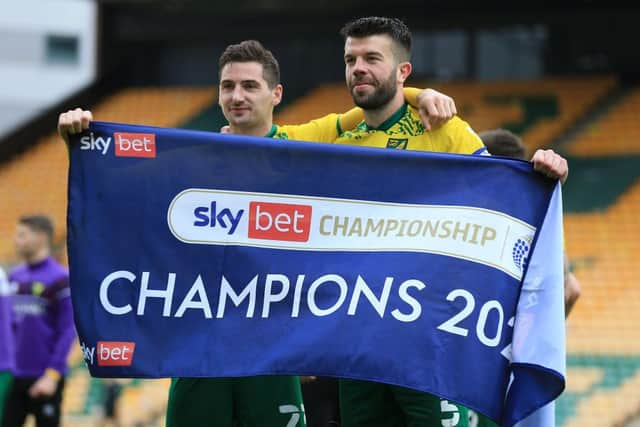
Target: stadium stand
{"type": "Point", "coordinates": [602, 228]}
{"type": "Point", "coordinates": [45, 165]}
{"type": "Point", "coordinates": [615, 134]}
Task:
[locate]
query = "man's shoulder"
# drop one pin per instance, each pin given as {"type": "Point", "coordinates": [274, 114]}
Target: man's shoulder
{"type": "Point", "coordinates": [323, 129]}
{"type": "Point", "coordinates": [455, 124]}
{"type": "Point", "coordinates": [59, 271]}
{"type": "Point", "coordinates": [17, 271]}
{"type": "Point", "coordinates": [53, 272]}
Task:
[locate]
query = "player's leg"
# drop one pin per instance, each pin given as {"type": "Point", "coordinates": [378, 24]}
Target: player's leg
{"type": "Point", "coordinates": [426, 410]}
{"type": "Point", "coordinates": [17, 402]}
{"type": "Point", "coordinates": [368, 404]}
{"type": "Point", "coordinates": [47, 410]}
{"type": "Point", "coordinates": [268, 401]}
{"type": "Point", "coordinates": [5, 387]}
{"type": "Point", "coordinates": [200, 402]}
{"type": "Point", "coordinates": [320, 396]}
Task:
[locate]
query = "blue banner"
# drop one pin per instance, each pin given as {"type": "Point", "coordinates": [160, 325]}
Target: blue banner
{"type": "Point", "coordinates": [196, 254]}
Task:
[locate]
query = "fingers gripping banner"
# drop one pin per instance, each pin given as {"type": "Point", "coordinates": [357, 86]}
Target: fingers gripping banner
{"type": "Point", "coordinates": [196, 254]}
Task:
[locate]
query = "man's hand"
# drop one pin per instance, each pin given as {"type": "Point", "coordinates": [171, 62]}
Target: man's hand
{"type": "Point", "coordinates": [45, 386]}
{"type": "Point", "coordinates": [72, 122]}
{"type": "Point", "coordinates": [435, 108]}
{"type": "Point", "coordinates": [551, 164]}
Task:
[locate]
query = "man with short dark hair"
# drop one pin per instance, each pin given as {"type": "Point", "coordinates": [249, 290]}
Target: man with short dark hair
{"type": "Point", "coordinates": [376, 54]}
{"type": "Point", "coordinates": [42, 325]}
{"type": "Point", "coordinates": [503, 142]}
{"type": "Point", "coordinates": [377, 51]}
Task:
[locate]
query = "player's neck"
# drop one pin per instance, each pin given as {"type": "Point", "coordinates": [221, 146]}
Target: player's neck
{"type": "Point", "coordinates": [38, 256]}
{"type": "Point", "coordinates": [375, 118]}
{"type": "Point", "coordinates": [259, 130]}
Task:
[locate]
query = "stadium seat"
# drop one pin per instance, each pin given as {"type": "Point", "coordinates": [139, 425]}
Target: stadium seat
{"type": "Point", "coordinates": [617, 133]}
{"type": "Point", "coordinates": [45, 165]}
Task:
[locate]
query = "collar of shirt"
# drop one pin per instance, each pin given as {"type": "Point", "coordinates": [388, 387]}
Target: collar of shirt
{"type": "Point", "coordinates": [392, 120]}
{"type": "Point", "coordinates": [271, 132]}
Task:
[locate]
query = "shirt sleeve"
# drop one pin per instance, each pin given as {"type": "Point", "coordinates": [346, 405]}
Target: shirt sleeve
{"type": "Point", "coordinates": [324, 129]}
{"type": "Point", "coordinates": [463, 138]}
{"type": "Point", "coordinates": [64, 327]}
{"type": "Point", "coordinates": [411, 96]}
{"type": "Point", "coordinates": [350, 119]}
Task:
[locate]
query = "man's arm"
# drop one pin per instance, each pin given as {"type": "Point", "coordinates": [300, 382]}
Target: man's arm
{"type": "Point", "coordinates": [435, 109]}
{"type": "Point", "coordinates": [65, 334]}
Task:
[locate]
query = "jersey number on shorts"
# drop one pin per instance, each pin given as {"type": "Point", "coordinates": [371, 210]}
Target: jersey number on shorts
{"type": "Point", "coordinates": [445, 408]}
{"type": "Point", "coordinates": [295, 413]}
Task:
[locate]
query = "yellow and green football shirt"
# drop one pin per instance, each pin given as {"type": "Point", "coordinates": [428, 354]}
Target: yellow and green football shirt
{"type": "Point", "coordinates": [330, 127]}
{"type": "Point", "coordinates": [324, 129]}
{"type": "Point", "coordinates": [404, 131]}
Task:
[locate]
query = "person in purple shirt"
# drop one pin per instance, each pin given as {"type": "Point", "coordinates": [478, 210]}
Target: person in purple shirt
{"type": "Point", "coordinates": [43, 327]}
{"type": "Point", "coordinates": [6, 340]}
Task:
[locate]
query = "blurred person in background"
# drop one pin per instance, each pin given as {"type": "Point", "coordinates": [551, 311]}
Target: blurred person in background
{"type": "Point", "coordinates": [111, 390]}
{"type": "Point", "coordinates": [42, 327]}
{"type": "Point", "coordinates": [6, 340]}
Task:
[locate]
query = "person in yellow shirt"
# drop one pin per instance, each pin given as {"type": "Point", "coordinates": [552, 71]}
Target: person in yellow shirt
{"type": "Point", "coordinates": [377, 54]}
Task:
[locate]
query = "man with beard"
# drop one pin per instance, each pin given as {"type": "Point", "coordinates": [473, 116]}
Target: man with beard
{"type": "Point", "coordinates": [376, 54]}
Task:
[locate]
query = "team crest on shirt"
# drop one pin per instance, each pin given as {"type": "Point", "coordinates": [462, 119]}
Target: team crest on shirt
{"type": "Point", "coordinates": [37, 288]}
{"type": "Point", "coordinates": [397, 143]}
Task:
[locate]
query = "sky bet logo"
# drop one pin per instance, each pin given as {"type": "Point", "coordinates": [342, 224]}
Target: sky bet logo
{"type": "Point", "coordinates": [135, 144]}
{"type": "Point", "coordinates": [126, 144]}
{"type": "Point", "coordinates": [109, 353]}
{"type": "Point", "coordinates": [95, 144]}
{"type": "Point", "coordinates": [269, 221]}
{"type": "Point", "coordinates": [279, 221]}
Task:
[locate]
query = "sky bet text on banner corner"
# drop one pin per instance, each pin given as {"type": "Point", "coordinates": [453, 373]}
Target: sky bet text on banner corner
{"type": "Point", "coordinates": [195, 254]}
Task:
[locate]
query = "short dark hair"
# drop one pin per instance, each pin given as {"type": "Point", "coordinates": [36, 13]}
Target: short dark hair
{"type": "Point", "coordinates": [252, 51]}
{"type": "Point", "coordinates": [501, 142]}
{"type": "Point", "coordinates": [39, 223]}
{"type": "Point", "coordinates": [375, 25]}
